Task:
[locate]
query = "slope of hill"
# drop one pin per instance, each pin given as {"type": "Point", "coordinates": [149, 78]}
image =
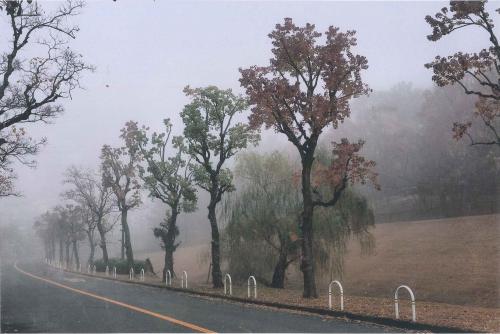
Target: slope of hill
{"type": "Point", "coordinates": [453, 261]}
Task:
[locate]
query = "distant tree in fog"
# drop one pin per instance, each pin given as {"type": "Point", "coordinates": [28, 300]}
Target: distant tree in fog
{"type": "Point", "coordinates": [69, 220]}
{"type": "Point", "coordinates": [214, 135]}
{"type": "Point", "coordinates": [167, 177]}
{"type": "Point", "coordinates": [120, 173]}
{"type": "Point", "coordinates": [64, 224]}
{"type": "Point", "coordinates": [425, 173]}
{"type": "Point", "coordinates": [482, 68]}
{"type": "Point", "coordinates": [305, 89]}
{"type": "Point", "coordinates": [97, 203]}
{"type": "Point", "coordinates": [31, 86]}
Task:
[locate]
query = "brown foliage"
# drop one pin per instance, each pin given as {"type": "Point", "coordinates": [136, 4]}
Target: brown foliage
{"type": "Point", "coordinates": [481, 68]}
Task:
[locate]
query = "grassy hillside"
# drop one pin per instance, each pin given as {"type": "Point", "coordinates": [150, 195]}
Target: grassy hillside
{"type": "Point", "coordinates": [454, 261]}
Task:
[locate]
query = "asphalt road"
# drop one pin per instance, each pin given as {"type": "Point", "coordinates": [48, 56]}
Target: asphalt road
{"type": "Point", "coordinates": [55, 301]}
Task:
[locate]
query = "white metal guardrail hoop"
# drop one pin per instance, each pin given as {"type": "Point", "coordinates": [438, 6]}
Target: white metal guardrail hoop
{"type": "Point", "coordinates": [94, 269]}
{"type": "Point", "coordinates": [184, 280]}
{"type": "Point", "coordinates": [142, 274]}
{"type": "Point", "coordinates": [114, 272]}
{"type": "Point", "coordinates": [226, 277]}
{"type": "Point", "coordinates": [168, 278]}
{"type": "Point", "coordinates": [131, 274]}
{"type": "Point", "coordinates": [107, 271]}
{"type": "Point", "coordinates": [330, 295]}
{"type": "Point", "coordinates": [396, 302]}
{"type": "Point", "coordinates": [251, 278]}
{"type": "Point", "coordinates": [88, 269]}
{"type": "Point", "coordinates": [80, 267]}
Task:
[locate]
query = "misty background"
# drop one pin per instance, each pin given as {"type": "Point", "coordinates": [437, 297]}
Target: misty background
{"type": "Point", "coordinates": [146, 52]}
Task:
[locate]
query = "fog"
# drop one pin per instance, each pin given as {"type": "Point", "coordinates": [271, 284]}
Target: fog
{"type": "Point", "coordinates": [145, 52]}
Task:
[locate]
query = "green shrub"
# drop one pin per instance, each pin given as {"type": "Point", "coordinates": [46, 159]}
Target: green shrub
{"type": "Point", "coordinates": [121, 266]}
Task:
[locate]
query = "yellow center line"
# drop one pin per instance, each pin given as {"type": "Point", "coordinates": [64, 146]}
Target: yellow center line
{"type": "Point", "coordinates": [128, 306]}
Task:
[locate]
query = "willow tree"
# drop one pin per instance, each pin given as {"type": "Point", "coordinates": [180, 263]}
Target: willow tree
{"type": "Point", "coordinates": [167, 177]}
{"type": "Point", "coordinates": [120, 168]}
{"type": "Point", "coordinates": [213, 136]}
{"type": "Point", "coordinates": [261, 235]}
{"type": "Point", "coordinates": [478, 73]}
{"type": "Point", "coordinates": [306, 88]}
{"type": "Point", "coordinates": [261, 232]}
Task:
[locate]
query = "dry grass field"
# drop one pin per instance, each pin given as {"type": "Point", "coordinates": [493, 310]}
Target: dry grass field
{"type": "Point", "coordinates": [453, 261]}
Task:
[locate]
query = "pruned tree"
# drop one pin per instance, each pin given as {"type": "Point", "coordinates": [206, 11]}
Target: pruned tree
{"type": "Point", "coordinates": [120, 168]}
{"type": "Point", "coordinates": [168, 178]}
{"type": "Point", "coordinates": [477, 73]}
{"type": "Point", "coordinates": [97, 204]}
{"type": "Point", "coordinates": [31, 86]}
{"type": "Point", "coordinates": [306, 88]}
{"type": "Point", "coordinates": [213, 136]}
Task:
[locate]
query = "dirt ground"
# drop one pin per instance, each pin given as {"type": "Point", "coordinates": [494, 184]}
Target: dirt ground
{"type": "Point", "coordinates": [452, 265]}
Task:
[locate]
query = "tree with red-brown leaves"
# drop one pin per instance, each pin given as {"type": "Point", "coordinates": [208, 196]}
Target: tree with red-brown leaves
{"type": "Point", "coordinates": [306, 88]}
{"type": "Point", "coordinates": [477, 73]}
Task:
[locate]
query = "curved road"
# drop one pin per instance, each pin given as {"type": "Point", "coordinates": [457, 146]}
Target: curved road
{"type": "Point", "coordinates": [37, 298]}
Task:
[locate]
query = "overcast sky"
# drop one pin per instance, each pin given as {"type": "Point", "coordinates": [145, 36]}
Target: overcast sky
{"type": "Point", "coordinates": [145, 52]}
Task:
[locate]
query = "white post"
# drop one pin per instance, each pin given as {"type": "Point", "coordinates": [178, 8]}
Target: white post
{"type": "Point", "coordinates": [88, 269]}
{"type": "Point", "coordinates": [396, 303]}
{"type": "Point", "coordinates": [114, 272]}
{"type": "Point", "coordinates": [80, 267]}
{"type": "Point", "coordinates": [251, 278]}
{"type": "Point", "coordinates": [142, 274]}
{"type": "Point", "coordinates": [330, 295]}
{"type": "Point", "coordinates": [226, 277]}
{"type": "Point", "coordinates": [131, 274]}
{"type": "Point", "coordinates": [94, 270]}
{"type": "Point", "coordinates": [168, 278]}
{"type": "Point", "coordinates": [184, 280]}
{"type": "Point", "coordinates": [107, 271]}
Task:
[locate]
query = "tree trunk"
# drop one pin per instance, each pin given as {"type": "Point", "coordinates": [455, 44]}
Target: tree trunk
{"type": "Point", "coordinates": [279, 271]}
{"type": "Point", "coordinates": [92, 247]}
{"type": "Point", "coordinates": [216, 271]}
{"type": "Point", "coordinates": [46, 247]}
{"type": "Point", "coordinates": [123, 246]}
{"type": "Point", "coordinates": [53, 248]}
{"type": "Point", "coordinates": [128, 244]}
{"type": "Point", "coordinates": [68, 243]}
{"type": "Point", "coordinates": [75, 252]}
{"type": "Point", "coordinates": [102, 234]}
{"type": "Point", "coordinates": [307, 264]}
{"type": "Point", "coordinates": [61, 250]}
{"type": "Point", "coordinates": [169, 244]}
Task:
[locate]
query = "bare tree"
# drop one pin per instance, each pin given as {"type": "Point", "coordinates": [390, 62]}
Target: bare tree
{"type": "Point", "coordinates": [31, 86]}
{"type": "Point", "coordinates": [92, 194]}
